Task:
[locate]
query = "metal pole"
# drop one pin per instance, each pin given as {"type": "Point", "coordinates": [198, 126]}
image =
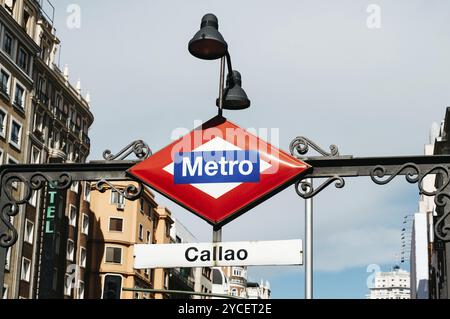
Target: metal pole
{"type": "Point", "coordinates": [221, 85]}
{"type": "Point", "coordinates": [217, 235]}
{"type": "Point", "coordinates": [309, 246]}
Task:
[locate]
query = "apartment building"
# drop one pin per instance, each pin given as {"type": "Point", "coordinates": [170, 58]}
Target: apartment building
{"type": "Point", "coordinates": [117, 225]}
{"type": "Point", "coordinates": [43, 119]}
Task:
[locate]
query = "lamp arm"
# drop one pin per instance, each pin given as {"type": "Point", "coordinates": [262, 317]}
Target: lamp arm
{"type": "Point", "coordinates": [230, 69]}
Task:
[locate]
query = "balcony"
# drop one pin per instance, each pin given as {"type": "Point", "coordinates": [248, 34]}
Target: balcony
{"type": "Point", "coordinates": [43, 99]}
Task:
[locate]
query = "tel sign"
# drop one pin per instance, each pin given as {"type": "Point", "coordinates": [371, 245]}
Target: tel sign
{"type": "Point", "coordinates": [219, 171]}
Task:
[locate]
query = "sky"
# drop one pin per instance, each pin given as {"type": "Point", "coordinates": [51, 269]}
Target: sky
{"type": "Point", "coordinates": [320, 69]}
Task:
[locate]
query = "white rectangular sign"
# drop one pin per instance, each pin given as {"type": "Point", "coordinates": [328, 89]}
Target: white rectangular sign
{"type": "Point", "coordinates": [257, 253]}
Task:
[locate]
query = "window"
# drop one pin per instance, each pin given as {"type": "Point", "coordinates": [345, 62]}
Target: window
{"type": "Point", "coordinates": [70, 249]}
{"type": "Point", "coordinates": [166, 280]}
{"type": "Point", "coordinates": [73, 216]}
{"type": "Point", "coordinates": [12, 161]}
{"type": "Point", "coordinates": [7, 43]}
{"type": "Point", "coordinates": [237, 272]}
{"type": "Point", "coordinates": [38, 122]}
{"type": "Point", "coordinates": [142, 205]}
{"type": "Point", "coordinates": [9, 5]}
{"type": "Point", "coordinates": [35, 155]}
{"type": "Point", "coordinates": [168, 226]}
{"type": "Point", "coordinates": [83, 257]}
{"type": "Point", "coordinates": [19, 96]}
{"type": "Point", "coordinates": [149, 237]}
{"type": "Point", "coordinates": [141, 232]}
{"type": "Point", "coordinates": [74, 187]}
{"type": "Point", "coordinates": [33, 198]}
{"type": "Point", "coordinates": [15, 133]}
{"type": "Point", "coordinates": [234, 292]}
{"type": "Point", "coordinates": [67, 285]}
{"type": "Point", "coordinates": [8, 258]}
{"type": "Point", "coordinates": [22, 59]}
{"type": "Point", "coordinates": [87, 192]}
{"type": "Point", "coordinates": [4, 82]}
{"type": "Point", "coordinates": [55, 279]}
{"type": "Point", "coordinates": [117, 198]}
{"type": "Point", "coordinates": [116, 224]}
{"type": "Point", "coordinates": [57, 243]}
{"type": "Point", "coordinates": [80, 290]}
{"type": "Point", "coordinates": [114, 255]}
{"type": "Point", "coordinates": [5, 292]}
{"type": "Point", "coordinates": [2, 122]}
{"type": "Point", "coordinates": [29, 231]}
{"type": "Point", "coordinates": [26, 269]}
{"type": "Point", "coordinates": [26, 18]}
{"type": "Point", "coordinates": [85, 226]}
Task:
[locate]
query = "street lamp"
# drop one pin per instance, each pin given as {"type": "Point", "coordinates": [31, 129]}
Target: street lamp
{"type": "Point", "coordinates": [209, 44]}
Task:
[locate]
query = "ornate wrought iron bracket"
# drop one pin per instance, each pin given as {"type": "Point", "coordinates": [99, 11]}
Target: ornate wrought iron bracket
{"type": "Point", "coordinates": [414, 174]}
{"type": "Point", "coordinates": [130, 192]}
{"type": "Point", "coordinates": [139, 148]}
{"type": "Point", "coordinates": [382, 170]}
{"type": "Point", "coordinates": [18, 182]}
{"type": "Point", "coordinates": [299, 147]}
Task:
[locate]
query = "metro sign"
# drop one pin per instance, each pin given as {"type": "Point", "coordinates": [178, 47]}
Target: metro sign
{"type": "Point", "coordinates": [219, 171]}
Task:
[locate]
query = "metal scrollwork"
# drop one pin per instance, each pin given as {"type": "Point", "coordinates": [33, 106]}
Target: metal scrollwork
{"type": "Point", "coordinates": [300, 146]}
{"type": "Point", "coordinates": [9, 237]}
{"type": "Point", "coordinates": [410, 170]}
{"type": "Point", "coordinates": [130, 192]}
{"type": "Point", "coordinates": [305, 189]}
{"type": "Point", "coordinates": [441, 195]}
{"type": "Point", "coordinates": [441, 228]}
{"type": "Point", "coordinates": [13, 199]}
{"type": "Point", "coordinates": [140, 149]}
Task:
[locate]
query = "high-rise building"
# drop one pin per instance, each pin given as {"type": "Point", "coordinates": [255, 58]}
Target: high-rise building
{"type": "Point", "coordinates": [43, 119]}
{"type": "Point", "coordinates": [394, 284]}
{"type": "Point", "coordinates": [118, 224]}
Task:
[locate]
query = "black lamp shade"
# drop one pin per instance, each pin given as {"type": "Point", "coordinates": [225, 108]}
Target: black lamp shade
{"type": "Point", "coordinates": [208, 43]}
{"type": "Point", "coordinates": [235, 97]}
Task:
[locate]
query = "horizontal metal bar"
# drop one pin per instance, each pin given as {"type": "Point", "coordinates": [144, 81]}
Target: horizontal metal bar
{"type": "Point", "coordinates": [180, 292]}
{"type": "Point", "coordinates": [92, 171]}
{"type": "Point", "coordinates": [363, 166]}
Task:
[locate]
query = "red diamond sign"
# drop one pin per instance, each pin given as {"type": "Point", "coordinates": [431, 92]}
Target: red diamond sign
{"type": "Point", "coordinates": [219, 171]}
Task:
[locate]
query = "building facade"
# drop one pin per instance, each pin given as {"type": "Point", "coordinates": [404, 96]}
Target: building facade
{"type": "Point", "coordinates": [430, 267]}
{"type": "Point", "coordinates": [189, 279]}
{"type": "Point", "coordinates": [233, 281]}
{"type": "Point", "coordinates": [394, 284]}
{"type": "Point", "coordinates": [43, 119]}
{"type": "Point", "coordinates": [258, 290]}
{"type": "Point", "coordinates": [117, 225]}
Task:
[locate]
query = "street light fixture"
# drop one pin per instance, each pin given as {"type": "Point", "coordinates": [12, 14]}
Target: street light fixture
{"type": "Point", "coordinates": [209, 44]}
